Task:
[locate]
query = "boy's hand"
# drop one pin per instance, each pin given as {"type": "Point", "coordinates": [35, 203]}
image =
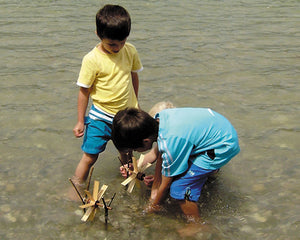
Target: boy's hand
{"type": "Point", "coordinates": [78, 130]}
{"type": "Point", "coordinates": [153, 208]}
{"type": "Point", "coordinates": [148, 180]}
{"type": "Point", "coordinates": [124, 171]}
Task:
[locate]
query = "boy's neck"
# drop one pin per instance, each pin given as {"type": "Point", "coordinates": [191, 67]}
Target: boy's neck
{"type": "Point", "coordinates": [101, 49]}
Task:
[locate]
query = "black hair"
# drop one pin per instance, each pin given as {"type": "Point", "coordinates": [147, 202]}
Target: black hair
{"type": "Point", "coordinates": [113, 22]}
{"type": "Point", "coordinates": [131, 126]}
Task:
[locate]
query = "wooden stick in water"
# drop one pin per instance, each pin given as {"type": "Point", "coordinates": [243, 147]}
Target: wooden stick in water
{"type": "Point", "coordinates": [111, 199]}
{"type": "Point", "coordinates": [106, 210]}
{"type": "Point", "coordinates": [78, 193]}
{"type": "Point", "coordinates": [107, 207]}
{"type": "Point", "coordinates": [126, 168]}
{"type": "Point", "coordinates": [89, 178]}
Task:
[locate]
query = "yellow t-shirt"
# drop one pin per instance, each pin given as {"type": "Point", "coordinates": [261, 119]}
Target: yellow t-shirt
{"type": "Point", "coordinates": [109, 77]}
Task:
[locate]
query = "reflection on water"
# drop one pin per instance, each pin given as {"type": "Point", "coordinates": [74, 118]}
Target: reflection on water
{"type": "Point", "coordinates": [240, 58]}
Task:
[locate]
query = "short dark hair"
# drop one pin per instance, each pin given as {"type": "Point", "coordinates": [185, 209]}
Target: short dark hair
{"type": "Point", "coordinates": [131, 126]}
{"type": "Point", "coordinates": [113, 22]}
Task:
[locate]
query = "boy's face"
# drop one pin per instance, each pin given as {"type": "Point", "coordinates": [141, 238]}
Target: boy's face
{"type": "Point", "coordinates": [147, 145]}
{"type": "Point", "coordinates": [141, 149]}
{"type": "Point", "coordinates": [112, 46]}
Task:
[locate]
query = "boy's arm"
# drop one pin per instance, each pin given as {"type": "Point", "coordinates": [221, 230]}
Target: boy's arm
{"type": "Point", "coordinates": [135, 83]}
{"type": "Point", "coordinates": [163, 189]}
{"type": "Point", "coordinates": [151, 156]}
{"type": "Point", "coordinates": [160, 194]}
{"type": "Point", "coordinates": [82, 103]}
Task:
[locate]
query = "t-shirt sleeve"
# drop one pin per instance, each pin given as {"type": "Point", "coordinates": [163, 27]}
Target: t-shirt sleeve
{"type": "Point", "coordinates": [137, 64]}
{"type": "Point", "coordinates": [87, 73]}
{"type": "Point", "coordinates": [175, 154]}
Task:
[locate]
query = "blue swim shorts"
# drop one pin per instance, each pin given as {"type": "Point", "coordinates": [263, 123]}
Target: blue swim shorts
{"type": "Point", "coordinates": [189, 185]}
{"type": "Point", "coordinates": [97, 134]}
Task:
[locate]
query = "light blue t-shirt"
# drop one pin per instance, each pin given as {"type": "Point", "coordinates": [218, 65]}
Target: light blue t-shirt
{"type": "Point", "coordinates": [186, 133]}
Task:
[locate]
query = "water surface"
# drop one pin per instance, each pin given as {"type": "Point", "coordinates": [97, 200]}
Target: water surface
{"type": "Point", "coordinates": [240, 58]}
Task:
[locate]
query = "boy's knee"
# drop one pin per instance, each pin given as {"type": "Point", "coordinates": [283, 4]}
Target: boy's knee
{"type": "Point", "coordinates": [90, 159]}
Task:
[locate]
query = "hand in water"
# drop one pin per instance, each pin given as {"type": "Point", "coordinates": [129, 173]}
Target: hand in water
{"type": "Point", "coordinates": [153, 208]}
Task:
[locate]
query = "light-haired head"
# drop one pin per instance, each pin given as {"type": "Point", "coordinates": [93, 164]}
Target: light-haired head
{"type": "Point", "coordinates": [159, 107]}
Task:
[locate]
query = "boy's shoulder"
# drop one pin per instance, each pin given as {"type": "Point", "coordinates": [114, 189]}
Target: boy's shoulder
{"type": "Point", "coordinates": [91, 53]}
{"type": "Point", "coordinates": [130, 46]}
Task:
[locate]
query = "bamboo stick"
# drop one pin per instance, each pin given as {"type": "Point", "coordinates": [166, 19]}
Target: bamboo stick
{"type": "Point", "coordinates": [78, 193]}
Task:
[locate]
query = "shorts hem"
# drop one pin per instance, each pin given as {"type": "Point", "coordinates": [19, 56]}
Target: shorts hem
{"type": "Point", "coordinates": [179, 198]}
{"type": "Point", "coordinates": [91, 151]}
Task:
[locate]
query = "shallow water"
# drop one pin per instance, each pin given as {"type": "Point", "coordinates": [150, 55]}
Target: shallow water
{"type": "Point", "coordinates": [241, 58]}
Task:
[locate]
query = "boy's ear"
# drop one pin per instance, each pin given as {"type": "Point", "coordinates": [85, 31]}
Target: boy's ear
{"type": "Point", "coordinates": [147, 142]}
{"type": "Point", "coordinates": [97, 34]}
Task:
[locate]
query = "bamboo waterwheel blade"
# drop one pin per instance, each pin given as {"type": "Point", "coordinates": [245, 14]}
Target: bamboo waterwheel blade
{"type": "Point", "coordinates": [95, 191]}
{"type": "Point", "coordinates": [129, 179]}
{"type": "Point", "coordinates": [87, 214]}
{"type": "Point", "coordinates": [89, 195]}
{"type": "Point", "coordinates": [131, 185]}
{"type": "Point", "coordinates": [89, 178]}
{"type": "Point", "coordinates": [102, 191]}
{"type": "Point", "coordinates": [141, 160]}
{"type": "Point", "coordinates": [134, 163]}
{"type": "Point", "coordinates": [87, 205]}
{"type": "Point", "coordinates": [93, 214]}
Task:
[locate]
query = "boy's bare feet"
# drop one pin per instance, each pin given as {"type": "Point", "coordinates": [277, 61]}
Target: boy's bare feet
{"type": "Point", "coordinates": [193, 228]}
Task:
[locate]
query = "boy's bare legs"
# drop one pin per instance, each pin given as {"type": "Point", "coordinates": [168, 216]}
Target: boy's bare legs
{"type": "Point", "coordinates": [83, 167]}
{"type": "Point", "coordinates": [190, 210]}
{"type": "Point", "coordinates": [81, 174]}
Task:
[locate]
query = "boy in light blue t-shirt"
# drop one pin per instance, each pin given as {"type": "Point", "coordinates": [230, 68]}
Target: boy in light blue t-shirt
{"type": "Point", "coordinates": [192, 143]}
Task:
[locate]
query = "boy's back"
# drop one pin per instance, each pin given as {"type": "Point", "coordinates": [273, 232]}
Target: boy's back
{"type": "Point", "coordinates": [186, 133]}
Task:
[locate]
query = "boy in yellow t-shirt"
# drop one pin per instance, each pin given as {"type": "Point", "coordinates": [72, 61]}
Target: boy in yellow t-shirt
{"type": "Point", "coordinates": [109, 76]}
